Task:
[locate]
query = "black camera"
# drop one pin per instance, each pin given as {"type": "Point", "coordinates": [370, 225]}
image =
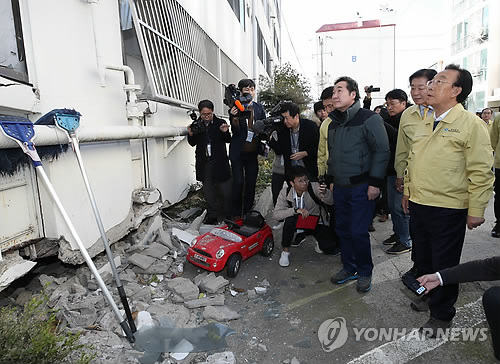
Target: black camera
{"type": "Point", "coordinates": [373, 89]}
{"type": "Point", "coordinates": [413, 285]}
{"type": "Point", "coordinates": [273, 122]}
{"type": "Point", "coordinates": [233, 97]}
{"type": "Point", "coordinates": [197, 126]}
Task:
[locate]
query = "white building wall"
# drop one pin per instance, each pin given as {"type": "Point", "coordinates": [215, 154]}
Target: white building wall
{"type": "Point", "coordinates": [366, 55]}
{"type": "Point", "coordinates": [61, 60]}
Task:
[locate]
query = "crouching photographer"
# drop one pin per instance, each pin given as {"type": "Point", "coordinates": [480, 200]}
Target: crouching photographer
{"type": "Point", "coordinates": [209, 134]}
{"type": "Point", "coordinates": [303, 207]}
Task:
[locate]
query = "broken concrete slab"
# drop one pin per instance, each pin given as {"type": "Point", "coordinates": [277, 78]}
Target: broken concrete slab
{"type": "Point", "coordinates": [178, 314]}
{"type": "Point", "coordinates": [159, 267]}
{"type": "Point", "coordinates": [220, 313]}
{"type": "Point", "coordinates": [12, 268]}
{"type": "Point", "coordinates": [146, 195]}
{"type": "Point", "coordinates": [211, 283]}
{"type": "Point", "coordinates": [184, 288]}
{"type": "Point", "coordinates": [194, 228]}
{"type": "Point", "coordinates": [206, 301]}
{"type": "Point", "coordinates": [226, 357]}
{"type": "Point", "coordinates": [186, 214]}
{"type": "Point", "coordinates": [141, 260]}
{"type": "Point", "coordinates": [107, 267]}
{"type": "Point", "coordinates": [184, 236]}
{"type": "Point", "coordinates": [156, 250]}
{"type": "Point", "coordinates": [197, 280]}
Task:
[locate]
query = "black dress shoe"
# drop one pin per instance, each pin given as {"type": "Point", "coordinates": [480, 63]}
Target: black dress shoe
{"type": "Point", "coordinates": [495, 231]}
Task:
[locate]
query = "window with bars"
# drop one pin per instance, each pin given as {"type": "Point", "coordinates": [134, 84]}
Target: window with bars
{"type": "Point", "coordinates": [184, 65]}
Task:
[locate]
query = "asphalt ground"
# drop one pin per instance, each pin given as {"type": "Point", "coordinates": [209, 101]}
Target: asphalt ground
{"type": "Point", "coordinates": [284, 322]}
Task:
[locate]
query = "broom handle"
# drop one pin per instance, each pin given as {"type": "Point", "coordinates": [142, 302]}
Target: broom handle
{"type": "Point", "coordinates": [86, 255]}
{"type": "Point", "coordinates": [121, 290]}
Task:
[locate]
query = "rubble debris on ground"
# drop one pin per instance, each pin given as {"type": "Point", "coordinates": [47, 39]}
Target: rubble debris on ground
{"type": "Point", "coordinates": [12, 268]}
{"type": "Point", "coordinates": [150, 263]}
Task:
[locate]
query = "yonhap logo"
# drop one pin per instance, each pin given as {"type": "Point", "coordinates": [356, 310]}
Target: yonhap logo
{"type": "Point", "coordinates": [332, 334]}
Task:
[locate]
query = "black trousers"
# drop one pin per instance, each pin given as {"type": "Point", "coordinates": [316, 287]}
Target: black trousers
{"type": "Point", "coordinates": [491, 304]}
{"type": "Point", "coordinates": [245, 170]}
{"type": "Point", "coordinates": [322, 233]}
{"type": "Point", "coordinates": [496, 203]}
{"type": "Point", "coordinates": [217, 194]}
{"type": "Point", "coordinates": [277, 181]}
{"type": "Point", "coordinates": [438, 237]}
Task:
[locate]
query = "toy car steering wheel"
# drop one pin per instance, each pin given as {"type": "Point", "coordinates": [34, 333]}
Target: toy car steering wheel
{"type": "Point", "coordinates": [232, 225]}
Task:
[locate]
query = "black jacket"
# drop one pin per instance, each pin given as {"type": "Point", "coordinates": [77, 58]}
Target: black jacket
{"type": "Point", "coordinates": [476, 270]}
{"type": "Point", "coordinates": [392, 135]}
{"type": "Point", "coordinates": [308, 142]}
{"type": "Point", "coordinates": [239, 130]}
{"type": "Point", "coordinates": [218, 141]}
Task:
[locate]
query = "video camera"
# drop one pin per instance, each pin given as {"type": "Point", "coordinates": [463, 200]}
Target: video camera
{"type": "Point", "coordinates": [373, 89]}
{"type": "Point", "coordinates": [197, 126]}
{"type": "Point", "coordinates": [271, 123]}
{"type": "Point", "coordinates": [233, 97]}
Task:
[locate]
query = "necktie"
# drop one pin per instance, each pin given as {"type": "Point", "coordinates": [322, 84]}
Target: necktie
{"type": "Point", "coordinates": [424, 115]}
{"type": "Point", "coordinates": [436, 122]}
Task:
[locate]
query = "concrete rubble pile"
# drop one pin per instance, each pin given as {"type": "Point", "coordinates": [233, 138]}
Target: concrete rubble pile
{"type": "Point", "coordinates": [150, 264]}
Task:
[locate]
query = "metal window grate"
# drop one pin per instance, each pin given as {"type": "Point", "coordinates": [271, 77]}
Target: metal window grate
{"type": "Point", "coordinates": [183, 63]}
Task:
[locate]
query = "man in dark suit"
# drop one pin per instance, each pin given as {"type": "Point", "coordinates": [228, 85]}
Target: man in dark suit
{"type": "Point", "coordinates": [212, 162]}
{"type": "Point", "coordinates": [298, 142]}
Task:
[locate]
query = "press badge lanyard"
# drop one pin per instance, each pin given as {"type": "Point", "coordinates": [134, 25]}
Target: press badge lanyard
{"type": "Point", "coordinates": [250, 133]}
{"type": "Point", "coordinates": [209, 142]}
{"type": "Point", "coordinates": [299, 201]}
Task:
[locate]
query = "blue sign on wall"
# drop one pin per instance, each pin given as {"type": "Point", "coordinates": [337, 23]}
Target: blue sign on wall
{"type": "Point", "coordinates": [354, 58]}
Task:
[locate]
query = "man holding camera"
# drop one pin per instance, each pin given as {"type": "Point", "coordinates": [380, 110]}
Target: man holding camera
{"type": "Point", "coordinates": [244, 149]}
{"type": "Point", "coordinates": [210, 134]}
{"type": "Point", "coordinates": [298, 142]}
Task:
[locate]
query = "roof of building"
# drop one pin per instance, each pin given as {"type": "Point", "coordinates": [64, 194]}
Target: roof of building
{"type": "Point", "coordinates": [352, 25]}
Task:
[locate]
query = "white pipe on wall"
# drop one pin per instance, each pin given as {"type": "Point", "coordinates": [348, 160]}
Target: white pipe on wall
{"type": "Point", "coordinates": [45, 135]}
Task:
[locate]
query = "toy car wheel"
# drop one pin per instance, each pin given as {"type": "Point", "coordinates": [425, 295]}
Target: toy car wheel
{"type": "Point", "coordinates": [267, 247]}
{"type": "Point", "coordinates": [233, 265]}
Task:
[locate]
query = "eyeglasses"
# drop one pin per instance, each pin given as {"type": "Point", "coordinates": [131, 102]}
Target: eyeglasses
{"type": "Point", "coordinates": [207, 114]}
{"type": "Point", "coordinates": [438, 82]}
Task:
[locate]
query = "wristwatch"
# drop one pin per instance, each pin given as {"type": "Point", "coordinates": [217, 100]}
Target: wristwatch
{"type": "Point", "coordinates": [295, 209]}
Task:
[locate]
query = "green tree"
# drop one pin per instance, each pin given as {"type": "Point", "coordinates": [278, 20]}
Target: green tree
{"type": "Point", "coordinates": [287, 84]}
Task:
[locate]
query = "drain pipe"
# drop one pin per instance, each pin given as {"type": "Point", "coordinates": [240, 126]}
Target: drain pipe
{"type": "Point", "coordinates": [46, 135]}
{"type": "Point", "coordinates": [130, 87]}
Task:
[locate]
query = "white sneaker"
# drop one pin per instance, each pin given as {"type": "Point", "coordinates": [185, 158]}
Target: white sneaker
{"type": "Point", "coordinates": [317, 249]}
{"type": "Point", "coordinates": [278, 226]}
{"type": "Point", "coordinates": [284, 259]}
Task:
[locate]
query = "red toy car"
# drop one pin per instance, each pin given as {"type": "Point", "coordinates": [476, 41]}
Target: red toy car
{"type": "Point", "coordinates": [228, 245]}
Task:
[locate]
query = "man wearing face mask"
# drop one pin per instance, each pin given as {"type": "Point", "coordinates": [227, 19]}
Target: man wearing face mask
{"type": "Point", "coordinates": [243, 151]}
